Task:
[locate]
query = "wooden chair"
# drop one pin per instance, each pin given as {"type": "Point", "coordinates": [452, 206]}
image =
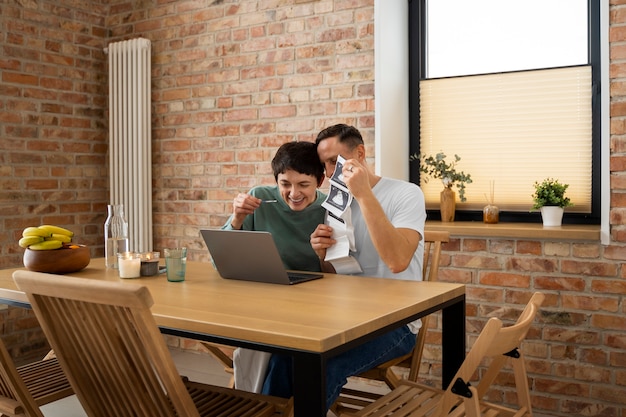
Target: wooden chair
{"type": "Point", "coordinates": [224, 355]}
{"type": "Point", "coordinates": [25, 388]}
{"type": "Point", "coordinates": [115, 358]}
{"type": "Point", "coordinates": [495, 345]}
{"type": "Point", "coordinates": [350, 399]}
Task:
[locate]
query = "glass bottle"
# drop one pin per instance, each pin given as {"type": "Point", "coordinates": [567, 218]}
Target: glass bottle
{"type": "Point", "coordinates": [115, 234]}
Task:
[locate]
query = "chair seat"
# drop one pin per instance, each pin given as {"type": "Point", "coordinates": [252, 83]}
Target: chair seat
{"type": "Point", "coordinates": [415, 399]}
{"type": "Point", "coordinates": [213, 401]}
{"type": "Point", "coordinates": [355, 399]}
{"type": "Point", "coordinates": [45, 381]}
{"type": "Point", "coordinates": [406, 398]}
{"type": "Point", "coordinates": [24, 389]}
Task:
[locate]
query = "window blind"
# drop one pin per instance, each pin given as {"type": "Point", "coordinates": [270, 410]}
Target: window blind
{"type": "Point", "coordinates": [511, 129]}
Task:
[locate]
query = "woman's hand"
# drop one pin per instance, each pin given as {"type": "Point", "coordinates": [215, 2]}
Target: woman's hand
{"type": "Point", "coordinates": [243, 205]}
{"type": "Point", "coordinates": [322, 239]}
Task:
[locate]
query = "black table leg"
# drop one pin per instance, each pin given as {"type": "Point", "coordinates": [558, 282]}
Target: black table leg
{"type": "Point", "coordinates": [309, 397]}
{"type": "Point", "coordinates": [453, 340]}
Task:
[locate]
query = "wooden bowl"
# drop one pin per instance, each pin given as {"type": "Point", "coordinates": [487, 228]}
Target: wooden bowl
{"type": "Point", "coordinates": [57, 261]}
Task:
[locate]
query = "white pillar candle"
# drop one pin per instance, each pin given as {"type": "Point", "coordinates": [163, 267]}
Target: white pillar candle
{"type": "Point", "coordinates": [129, 265]}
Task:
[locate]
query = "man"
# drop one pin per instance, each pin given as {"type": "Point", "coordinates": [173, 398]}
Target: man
{"type": "Point", "coordinates": [388, 217]}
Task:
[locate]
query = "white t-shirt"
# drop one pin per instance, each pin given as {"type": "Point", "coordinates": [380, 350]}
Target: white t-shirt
{"type": "Point", "coordinates": [403, 203]}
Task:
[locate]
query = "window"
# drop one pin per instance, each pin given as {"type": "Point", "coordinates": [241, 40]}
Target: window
{"type": "Point", "coordinates": [512, 88]}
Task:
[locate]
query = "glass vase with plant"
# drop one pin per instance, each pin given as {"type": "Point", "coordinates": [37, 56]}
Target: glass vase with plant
{"type": "Point", "coordinates": [437, 167]}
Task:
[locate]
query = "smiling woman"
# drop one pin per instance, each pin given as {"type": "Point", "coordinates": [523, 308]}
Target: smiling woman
{"type": "Point", "coordinates": [291, 209]}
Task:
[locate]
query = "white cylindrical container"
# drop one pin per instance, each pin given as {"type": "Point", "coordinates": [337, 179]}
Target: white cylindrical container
{"type": "Point", "coordinates": [129, 265]}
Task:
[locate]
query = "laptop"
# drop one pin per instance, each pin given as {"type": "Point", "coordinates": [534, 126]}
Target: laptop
{"type": "Point", "coordinates": [250, 256]}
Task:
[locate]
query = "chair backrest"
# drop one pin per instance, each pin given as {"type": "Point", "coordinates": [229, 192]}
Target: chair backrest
{"type": "Point", "coordinates": [106, 339]}
{"type": "Point", "coordinates": [15, 399]}
{"type": "Point", "coordinates": [495, 344]}
{"type": "Point", "coordinates": [433, 242]}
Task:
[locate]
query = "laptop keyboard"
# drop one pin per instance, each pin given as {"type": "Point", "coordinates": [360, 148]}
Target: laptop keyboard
{"type": "Point", "coordinates": [297, 277]}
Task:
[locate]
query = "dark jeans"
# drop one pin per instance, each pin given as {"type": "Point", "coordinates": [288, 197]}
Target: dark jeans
{"type": "Point", "coordinates": [279, 381]}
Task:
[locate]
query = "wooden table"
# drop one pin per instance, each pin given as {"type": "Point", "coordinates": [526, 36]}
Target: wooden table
{"type": "Point", "coordinates": [311, 321]}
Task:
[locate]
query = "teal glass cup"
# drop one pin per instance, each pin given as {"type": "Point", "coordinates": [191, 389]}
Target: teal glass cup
{"type": "Point", "coordinates": [176, 263]}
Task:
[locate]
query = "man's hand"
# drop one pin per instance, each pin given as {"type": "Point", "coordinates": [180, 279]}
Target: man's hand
{"type": "Point", "coordinates": [394, 246]}
{"type": "Point", "coordinates": [356, 178]}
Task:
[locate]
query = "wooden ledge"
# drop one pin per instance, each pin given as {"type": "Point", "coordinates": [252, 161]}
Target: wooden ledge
{"type": "Point", "coordinates": [518, 230]}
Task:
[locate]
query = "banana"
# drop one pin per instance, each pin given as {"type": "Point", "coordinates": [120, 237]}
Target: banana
{"type": "Point", "coordinates": [62, 238]}
{"type": "Point", "coordinates": [30, 240]}
{"type": "Point", "coordinates": [56, 230]}
{"type": "Point", "coordinates": [36, 231]}
{"type": "Point", "coordinates": [46, 245]}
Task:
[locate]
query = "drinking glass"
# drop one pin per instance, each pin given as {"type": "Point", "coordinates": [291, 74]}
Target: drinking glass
{"type": "Point", "coordinates": [176, 263]}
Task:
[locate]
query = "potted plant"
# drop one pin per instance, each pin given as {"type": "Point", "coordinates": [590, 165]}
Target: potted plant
{"type": "Point", "coordinates": [437, 167]}
{"type": "Point", "coordinates": [549, 198]}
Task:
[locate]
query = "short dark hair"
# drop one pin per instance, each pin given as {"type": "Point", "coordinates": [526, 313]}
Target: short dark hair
{"type": "Point", "coordinates": [299, 156]}
{"type": "Point", "coordinates": [349, 135]}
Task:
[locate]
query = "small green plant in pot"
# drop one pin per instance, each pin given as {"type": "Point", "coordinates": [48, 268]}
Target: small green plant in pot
{"type": "Point", "coordinates": [437, 167]}
{"type": "Point", "coordinates": [549, 196]}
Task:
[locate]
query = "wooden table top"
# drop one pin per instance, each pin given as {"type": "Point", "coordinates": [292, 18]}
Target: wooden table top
{"type": "Point", "coordinates": [313, 316]}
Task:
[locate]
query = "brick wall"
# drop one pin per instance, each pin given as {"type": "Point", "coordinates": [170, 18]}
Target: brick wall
{"type": "Point", "coordinates": [53, 137]}
{"type": "Point", "coordinates": [53, 134]}
{"type": "Point", "coordinates": [235, 80]}
{"type": "Point", "coordinates": [232, 80]}
{"type": "Point", "coordinates": [575, 351]}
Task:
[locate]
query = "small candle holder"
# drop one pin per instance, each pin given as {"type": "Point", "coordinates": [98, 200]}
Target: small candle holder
{"type": "Point", "coordinates": [491, 212]}
{"type": "Point", "coordinates": [149, 264]}
{"type": "Point", "coordinates": [129, 264]}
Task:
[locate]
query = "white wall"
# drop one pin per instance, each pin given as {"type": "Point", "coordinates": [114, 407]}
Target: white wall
{"type": "Point", "coordinates": [391, 88]}
{"type": "Point", "coordinates": [605, 229]}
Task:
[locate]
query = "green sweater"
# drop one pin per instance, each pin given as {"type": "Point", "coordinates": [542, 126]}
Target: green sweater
{"type": "Point", "coordinates": [291, 229]}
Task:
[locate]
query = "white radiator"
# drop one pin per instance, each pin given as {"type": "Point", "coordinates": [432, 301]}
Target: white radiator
{"type": "Point", "coordinates": [130, 150]}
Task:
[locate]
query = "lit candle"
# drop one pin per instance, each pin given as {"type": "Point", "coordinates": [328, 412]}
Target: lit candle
{"type": "Point", "coordinates": [129, 264]}
{"type": "Point", "coordinates": [149, 264]}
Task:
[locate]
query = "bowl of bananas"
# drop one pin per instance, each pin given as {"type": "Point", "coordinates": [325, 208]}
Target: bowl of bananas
{"type": "Point", "coordinates": [50, 249]}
